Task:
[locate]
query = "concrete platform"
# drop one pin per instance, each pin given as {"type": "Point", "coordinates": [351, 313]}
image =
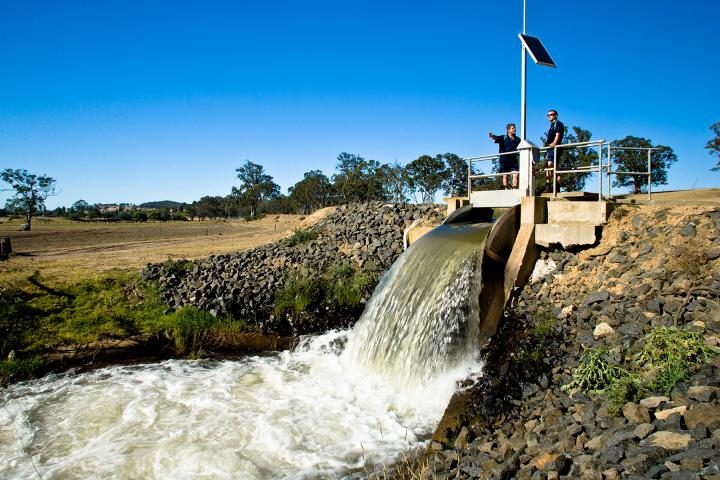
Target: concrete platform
{"type": "Point", "coordinates": [566, 234]}
{"type": "Point", "coordinates": [496, 198]}
{"type": "Point", "coordinates": [594, 213]}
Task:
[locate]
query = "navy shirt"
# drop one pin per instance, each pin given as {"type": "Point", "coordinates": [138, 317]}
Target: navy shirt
{"type": "Point", "coordinates": [555, 127]}
{"type": "Point", "coordinates": [506, 143]}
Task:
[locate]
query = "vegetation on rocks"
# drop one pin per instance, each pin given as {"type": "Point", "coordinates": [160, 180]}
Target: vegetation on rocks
{"type": "Point", "coordinates": [307, 295]}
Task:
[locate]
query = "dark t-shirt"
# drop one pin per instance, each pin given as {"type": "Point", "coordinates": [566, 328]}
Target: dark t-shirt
{"type": "Point", "coordinates": [508, 163]}
{"type": "Point", "coordinates": [556, 127]}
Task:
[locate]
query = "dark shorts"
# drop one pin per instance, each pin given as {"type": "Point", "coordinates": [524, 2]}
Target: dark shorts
{"type": "Point", "coordinates": [508, 164]}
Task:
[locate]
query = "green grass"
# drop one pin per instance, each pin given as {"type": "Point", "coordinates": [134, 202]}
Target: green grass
{"type": "Point", "coordinates": [539, 338]}
{"type": "Point", "coordinates": [302, 236]}
{"type": "Point", "coordinates": [341, 286]}
{"type": "Point", "coordinates": [114, 306]}
{"type": "Point", "coordinates": [15, 370]}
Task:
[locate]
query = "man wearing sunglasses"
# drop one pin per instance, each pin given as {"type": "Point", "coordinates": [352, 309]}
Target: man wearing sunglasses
{"type": "Point", "coordinates": [554, 137]}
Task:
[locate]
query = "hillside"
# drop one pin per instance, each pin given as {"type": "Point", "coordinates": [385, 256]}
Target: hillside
{"type": "Point", "coordinates": [161, 204]}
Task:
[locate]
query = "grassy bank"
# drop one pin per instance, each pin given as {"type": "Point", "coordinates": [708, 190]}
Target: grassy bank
{"type": "Point", "coordinates": [118, 305]}
{"type": "Point", "coordinates": [38, 319]}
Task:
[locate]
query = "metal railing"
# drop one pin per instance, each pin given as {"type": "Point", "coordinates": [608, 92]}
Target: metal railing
{"type": "Point", "coordinates": [609, 170]}
{"type": "Point", "coordinates": [487, 158]}
{"type": "Point", "coordinates": [557, 154]}
{"type": "Point", "coordinates": [605, 150]}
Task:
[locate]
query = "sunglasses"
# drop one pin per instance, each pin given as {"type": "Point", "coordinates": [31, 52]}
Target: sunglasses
{"type": "Point", "coordinates": [552, 114]}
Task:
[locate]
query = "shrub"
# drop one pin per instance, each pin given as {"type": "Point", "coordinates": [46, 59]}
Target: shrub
{"type": "Point", "coordinates": [671, 355]}
{"type": "Point", "coordinates": [348, 288]}
{"type": "Point", "coordinates": [340, 287]}
{"type": "Point", "coordinates": [189, 328]}
{"type": "Point", "coordinates": [139, 216]}
{"type": "Point", "coordinates": [15, 369]}
{"type": "Point", "coordinates": [17, 317]}
{"type": "Point", "coordinates": [668, 356]}
{"type": "Point", "coordinates": [595, 373]}
{"type": "Point", "coordinates": [302, 291]}
{"type": "Point", "coordinates": [302, 236]}
{"type": "Point", "coordinates": [664, 346]}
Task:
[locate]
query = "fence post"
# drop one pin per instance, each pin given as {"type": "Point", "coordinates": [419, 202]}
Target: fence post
{"type": "Point", "coordinates": [529, 155]}
{"type": "Point", "coordinates": [600, 149]}
{"type": "Point", "coordinates": [609, 167]}
{"type": "Point", "coordinates": [469, 180]}
{"type": "Point", "coordinates": [5, 248]}
{"type": "Point", "coordinates": [649, 174]}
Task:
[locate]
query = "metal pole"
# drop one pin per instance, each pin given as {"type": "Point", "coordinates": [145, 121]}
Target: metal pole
{"type": "Point", "coordinates": [554, 168]}
{"type": "Point", "coordinates": [523, 93]}
{"type": "Point", "coordinates": [523, 80]}
{"type": "Point", "coordinates": [649, 174]}
{"type": "Point", "coordinates": [609, 167]}
{"type": "Point", "coordinates": [469, 179]}
{"type": "Point", "coordinates": [600, 175]}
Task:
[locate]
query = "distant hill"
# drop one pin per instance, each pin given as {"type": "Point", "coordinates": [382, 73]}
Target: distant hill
{"type": "Point", "coordinates": [161, 204]}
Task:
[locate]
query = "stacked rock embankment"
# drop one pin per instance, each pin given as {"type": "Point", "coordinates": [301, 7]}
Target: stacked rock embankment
{"type": "Point", "coordinates": [655, 268]}
{"type": "Point", "coordinates": [368, 236]}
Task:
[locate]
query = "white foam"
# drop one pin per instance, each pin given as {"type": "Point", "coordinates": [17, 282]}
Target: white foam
{"type": "Point", "coordinates": [299, 414]}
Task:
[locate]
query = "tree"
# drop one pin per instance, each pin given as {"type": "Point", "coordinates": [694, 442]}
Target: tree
{"type": "Point", "coordinates": [80, 206]}
{"type": "Point", "coordinates": [574, 158]}
{"type": "Point", "coordinates": [714, 145]}
{"type": "Point", "coordinates": [427, 175]}
{"type": "Point", "coordinates": [637, 161]}
{"type": "Point", "coordinates": [209, 207]}
{"type": "Point", "coordinates": [396, 183]}
{"type": "Point", "coordinates": [357, 179]}
{"type": "Point", "coordinates": [312, 192]}
{"type": "Point", "coordinates": [256, 186]}
{"type": "Point", "coordinates": [457, 172]}
{"type": "Point", "coordinates": [31, 191]}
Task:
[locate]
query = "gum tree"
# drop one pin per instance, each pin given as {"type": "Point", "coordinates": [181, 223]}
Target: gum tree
{"type": "Point", "coordinates": [31, 191]}
{"type": "Point", "coordinates": [637, 161]}
{"type": "Point", "coordinates": [714, 145]}
{"type": "Point", "coordinates": [256, 186]}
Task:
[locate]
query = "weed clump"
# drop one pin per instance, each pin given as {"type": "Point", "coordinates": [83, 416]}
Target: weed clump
{"type": "Point", "coordinates": [596, 373]}
{"type": "Point", "coordinates": [668, 356]}
{"type": "Point", "coordinates": [302, 236]}
{"type": "Point", "coordinates": [16, 369]}
{"type": "Point", "coordinates": [306, 292]}
{"type": "Point", "coordinates": [189, 328]}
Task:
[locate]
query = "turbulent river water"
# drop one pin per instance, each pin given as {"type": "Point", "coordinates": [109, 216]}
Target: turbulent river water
{"type": "Point", "coordinates": [337, 406]}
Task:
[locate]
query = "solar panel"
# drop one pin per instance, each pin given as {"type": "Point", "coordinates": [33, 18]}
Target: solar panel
{"type": "Point", "coordinates": [537, 50]}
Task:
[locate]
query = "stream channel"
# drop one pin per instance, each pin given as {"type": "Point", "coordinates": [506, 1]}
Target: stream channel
{"type": "Point", "coordinates": [339, 405]}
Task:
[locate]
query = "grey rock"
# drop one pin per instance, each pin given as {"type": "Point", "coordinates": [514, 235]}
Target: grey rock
{"type": "Point", "coordinates": [688, 230]}
{"type": "Point", "coordinates": [596, 297]}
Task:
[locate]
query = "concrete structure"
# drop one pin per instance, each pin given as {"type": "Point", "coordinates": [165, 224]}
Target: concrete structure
{"type": "Point", "coordinates": [455, 203]}
{"type": "Point", "coordinates": [572, 223]}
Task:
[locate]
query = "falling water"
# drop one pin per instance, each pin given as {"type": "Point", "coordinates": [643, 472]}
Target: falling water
{"type": "Point", "coordinates": [337, 406]}
{"type": "Point", "coordinates": [423, 317]}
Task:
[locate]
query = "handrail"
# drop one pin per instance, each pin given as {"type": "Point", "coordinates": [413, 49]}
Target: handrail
{"type": "Point", "coordinates": [556, 171]}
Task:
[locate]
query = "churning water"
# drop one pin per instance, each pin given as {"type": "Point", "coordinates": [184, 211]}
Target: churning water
{"type": "Point", "coordinates": [338, 404]}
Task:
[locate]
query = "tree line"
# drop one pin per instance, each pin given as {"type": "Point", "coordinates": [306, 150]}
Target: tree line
{"type": "Point", "coordinates": [355, 179]}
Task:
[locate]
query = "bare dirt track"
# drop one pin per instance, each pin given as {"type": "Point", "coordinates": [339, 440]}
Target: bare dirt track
{"type": "Point", "coordinates": [61, 250]}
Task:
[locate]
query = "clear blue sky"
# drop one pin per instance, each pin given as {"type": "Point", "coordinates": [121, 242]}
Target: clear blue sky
{"type": "Point", "coordinates": [140, 101]}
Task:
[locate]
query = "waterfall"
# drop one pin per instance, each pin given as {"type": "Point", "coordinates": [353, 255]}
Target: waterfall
{"type": "Point", "coordinates": [423, 316]}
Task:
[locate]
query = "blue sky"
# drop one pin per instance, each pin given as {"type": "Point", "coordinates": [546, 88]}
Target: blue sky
{"type": "Point", "coordinates": [139, 101]}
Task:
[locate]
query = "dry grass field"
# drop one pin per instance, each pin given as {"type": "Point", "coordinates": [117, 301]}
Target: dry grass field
{"type": "Point", "coordinates": [60, 250]}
